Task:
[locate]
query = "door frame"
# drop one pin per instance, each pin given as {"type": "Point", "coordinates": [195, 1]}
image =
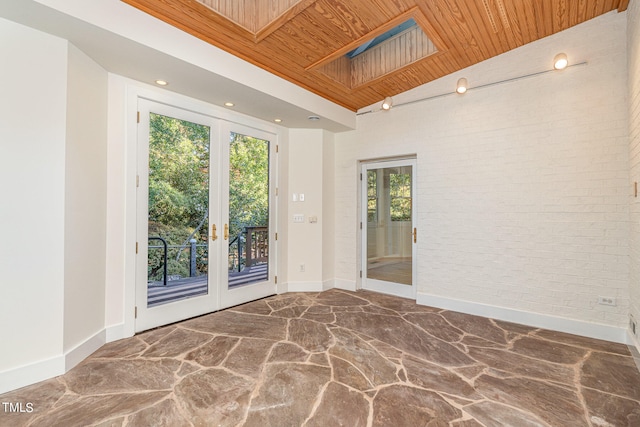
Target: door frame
{"type": "Point", "coordinates": [220, 122]}
{"type": "Point", "coordinates": [401, 290]}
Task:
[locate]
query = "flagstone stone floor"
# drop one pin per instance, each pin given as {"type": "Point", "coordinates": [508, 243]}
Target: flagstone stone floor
{"type": "Point", "coordinates": [341, 358]}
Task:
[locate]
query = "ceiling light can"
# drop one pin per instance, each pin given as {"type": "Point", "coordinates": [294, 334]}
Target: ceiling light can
{"type": "Point", "coordinates": [461, 86]}
{"type": "Point", "coordinates": [387, 103]}
{"type": "Point", "coordinates": [560, 61]}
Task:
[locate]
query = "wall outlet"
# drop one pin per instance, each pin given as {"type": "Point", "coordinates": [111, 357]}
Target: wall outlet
{"type": "Point", "coordinates": [301, 268]}
{"type": "Point", "coordinates": [607, 301]}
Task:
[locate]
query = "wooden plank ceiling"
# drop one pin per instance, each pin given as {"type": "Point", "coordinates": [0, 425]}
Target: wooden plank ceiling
{"type": "Point", "coordinates": [306, 41]}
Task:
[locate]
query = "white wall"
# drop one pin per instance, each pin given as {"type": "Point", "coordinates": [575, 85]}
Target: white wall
{"type": "Point", "coordinates": [328, 210]}
{"type": "Point", "coordinates": [32, 173]}
{"type": "Point", "coordinates": [52, 221]}
{"type": "Point", "coordinates": [633, 25]}
{"type": "Point", "coordinates": [304, 239]}
{"type": "Point", "coordinates": [85, 200]}
{"type": "Point", "coordinates": [522, 186]}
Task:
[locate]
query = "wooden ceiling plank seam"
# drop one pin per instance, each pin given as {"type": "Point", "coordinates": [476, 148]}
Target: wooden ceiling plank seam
{"type": "Point", "coordinates": [521, 37]}
{"type": "Point", "coordinates": [480, 32]}
{"type": "Point", "coordinates": [463, 37]}
{"type": "Point", "coordinates": [318, 38]}
{"type": "Point", "coordinates": [331, 13]}
{"type": "Point", "coordinates": [503, 34]}
{"type": "Point", "coordinates": [546, 17]}
{"type": "Point", "coordinates": [287, 16]}
{"type": "Point", "coordinates": [560, 16]}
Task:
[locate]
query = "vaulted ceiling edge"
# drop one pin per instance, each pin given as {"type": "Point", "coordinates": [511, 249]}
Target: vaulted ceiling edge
{"type": "Point", "coordinates": [358, 52]}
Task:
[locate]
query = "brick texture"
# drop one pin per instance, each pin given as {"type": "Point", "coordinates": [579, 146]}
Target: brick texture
{"type": "Point", "coordinates": [522, 187]}
{"type": "Point", "coordinates": [633, 25]}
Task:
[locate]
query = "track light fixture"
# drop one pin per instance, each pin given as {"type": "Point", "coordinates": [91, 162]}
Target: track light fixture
{"type": "Point", "coordinates": [560, 62]}
{"type": "Point", "coordinates": [461, 87]}
{"type": "Point", "coordinates": [387, 103]}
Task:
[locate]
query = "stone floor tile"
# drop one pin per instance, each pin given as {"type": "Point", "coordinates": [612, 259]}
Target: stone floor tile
{"type": "Point", "coordinates": [514, 363]}
{"type": "Point", "coordinates": [399, 405]}
{"type": "Point", "coordinates": [475, 325]}
{"type": "Point", "coordinates": [213, 352]}
{"type": "Point", "coordinates": [492, 414]}
{"type": "Point", "coordinates": [365, 358]}
{"type": "Point", "coordinates": [102, 376]}
{"type": "Point", "coordinates": [98, 409]}
{"type": "Point", "coordinates": [613, 374]}
{"type": "Point", "coordinates": [162, 414]}
{"type": "Point", "coordinates": [286, 394]}
{"type": "Point", "coordinates": [310, 335]}
{"type": "Point", "coordinates": [434, 377]}
{"type": "Point", "coordinates": [551, 351]}
{"type": "Point", "coordinates": [555, 405]}
{"type": "Point", "coordinates": [341, 358]}
{"type": "Point", "coordinates": [240, 325]}
{"type": "Point", "coordinates": [214, 396]}
{"type": "Point", "coordinates": [590, 343]}
{"type": "Point", "coordinates": [398, 333]}
{"type": "Point", "coordinates": [436, 325]}
{"type": "Point", "coordinates": [609, 410]}
{"type": "Point", "coordinates": [177, 342]}
{"type": "Point", "coordinates": [340, 407]}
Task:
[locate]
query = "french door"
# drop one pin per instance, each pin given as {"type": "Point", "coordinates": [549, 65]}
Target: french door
{"type": "Point", "coordinates": [204, 226]}
{"type": "Point", "coordinates": [389, 234]}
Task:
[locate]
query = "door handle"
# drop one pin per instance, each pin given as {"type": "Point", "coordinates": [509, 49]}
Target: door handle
{"type": "Point", "coordinates": [226, 231]}
{"type": "Point", "coordinates": [415, 235]}
{"type": "Point", "coordinates": [214, 235]}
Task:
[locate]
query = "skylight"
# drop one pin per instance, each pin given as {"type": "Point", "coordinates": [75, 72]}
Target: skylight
{"type": "Point", "coordinates": [406, 25]}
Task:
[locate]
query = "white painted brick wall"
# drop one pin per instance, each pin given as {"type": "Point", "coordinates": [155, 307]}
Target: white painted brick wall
{"type": "Point", "coordinates": [522, 187]}
{"type": "Point", "coordinates": [633, 40]}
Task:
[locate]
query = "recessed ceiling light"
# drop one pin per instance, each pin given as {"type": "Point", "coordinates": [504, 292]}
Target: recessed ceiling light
{"type": "Point", "coordinates": [162, 82]}
{"type": "Point", "coordinates": [277, 120]}
{"type": "Point", "coordinates": [229, 104]}
{"type": "Point", "coordinates": [313, 118]}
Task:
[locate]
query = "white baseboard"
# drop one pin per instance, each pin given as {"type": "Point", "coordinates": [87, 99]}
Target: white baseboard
{"type": "Point", "coordinates": [32, 373]}
{"type": "Point", "coordinates": [116, 332]}
{"type": "Point", "coordinates": [347, 285]}
{"type": "Point", "coordinates": [537, 320]}
{"type": "Point", "coordinates": [305, 286]}
{"type": "Point", "coordinates": [328, 284]}
{"type": "Point", "coordinates": [84, 349]}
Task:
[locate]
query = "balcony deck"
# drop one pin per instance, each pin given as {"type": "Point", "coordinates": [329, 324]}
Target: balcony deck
{"type": "Point", "coordinates": [189, 287]}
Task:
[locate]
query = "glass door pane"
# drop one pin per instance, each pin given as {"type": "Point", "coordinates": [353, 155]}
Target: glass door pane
{"type": "Point", "coordinates": [248, 260]}
{"type": "Point", "coordinates": [389, 232]}
{"type": "Point", "coordinates": [178, 221]}
{"type": "Point", "coordinates": [389, 235]}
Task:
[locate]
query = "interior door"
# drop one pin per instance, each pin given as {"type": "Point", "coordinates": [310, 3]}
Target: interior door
{"type": "Point", "coordinates": [178, 251]}
{"type": "Point", "coordinates": [247, 217]}
{"type": "Point", "coordinates": [389, 234]}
